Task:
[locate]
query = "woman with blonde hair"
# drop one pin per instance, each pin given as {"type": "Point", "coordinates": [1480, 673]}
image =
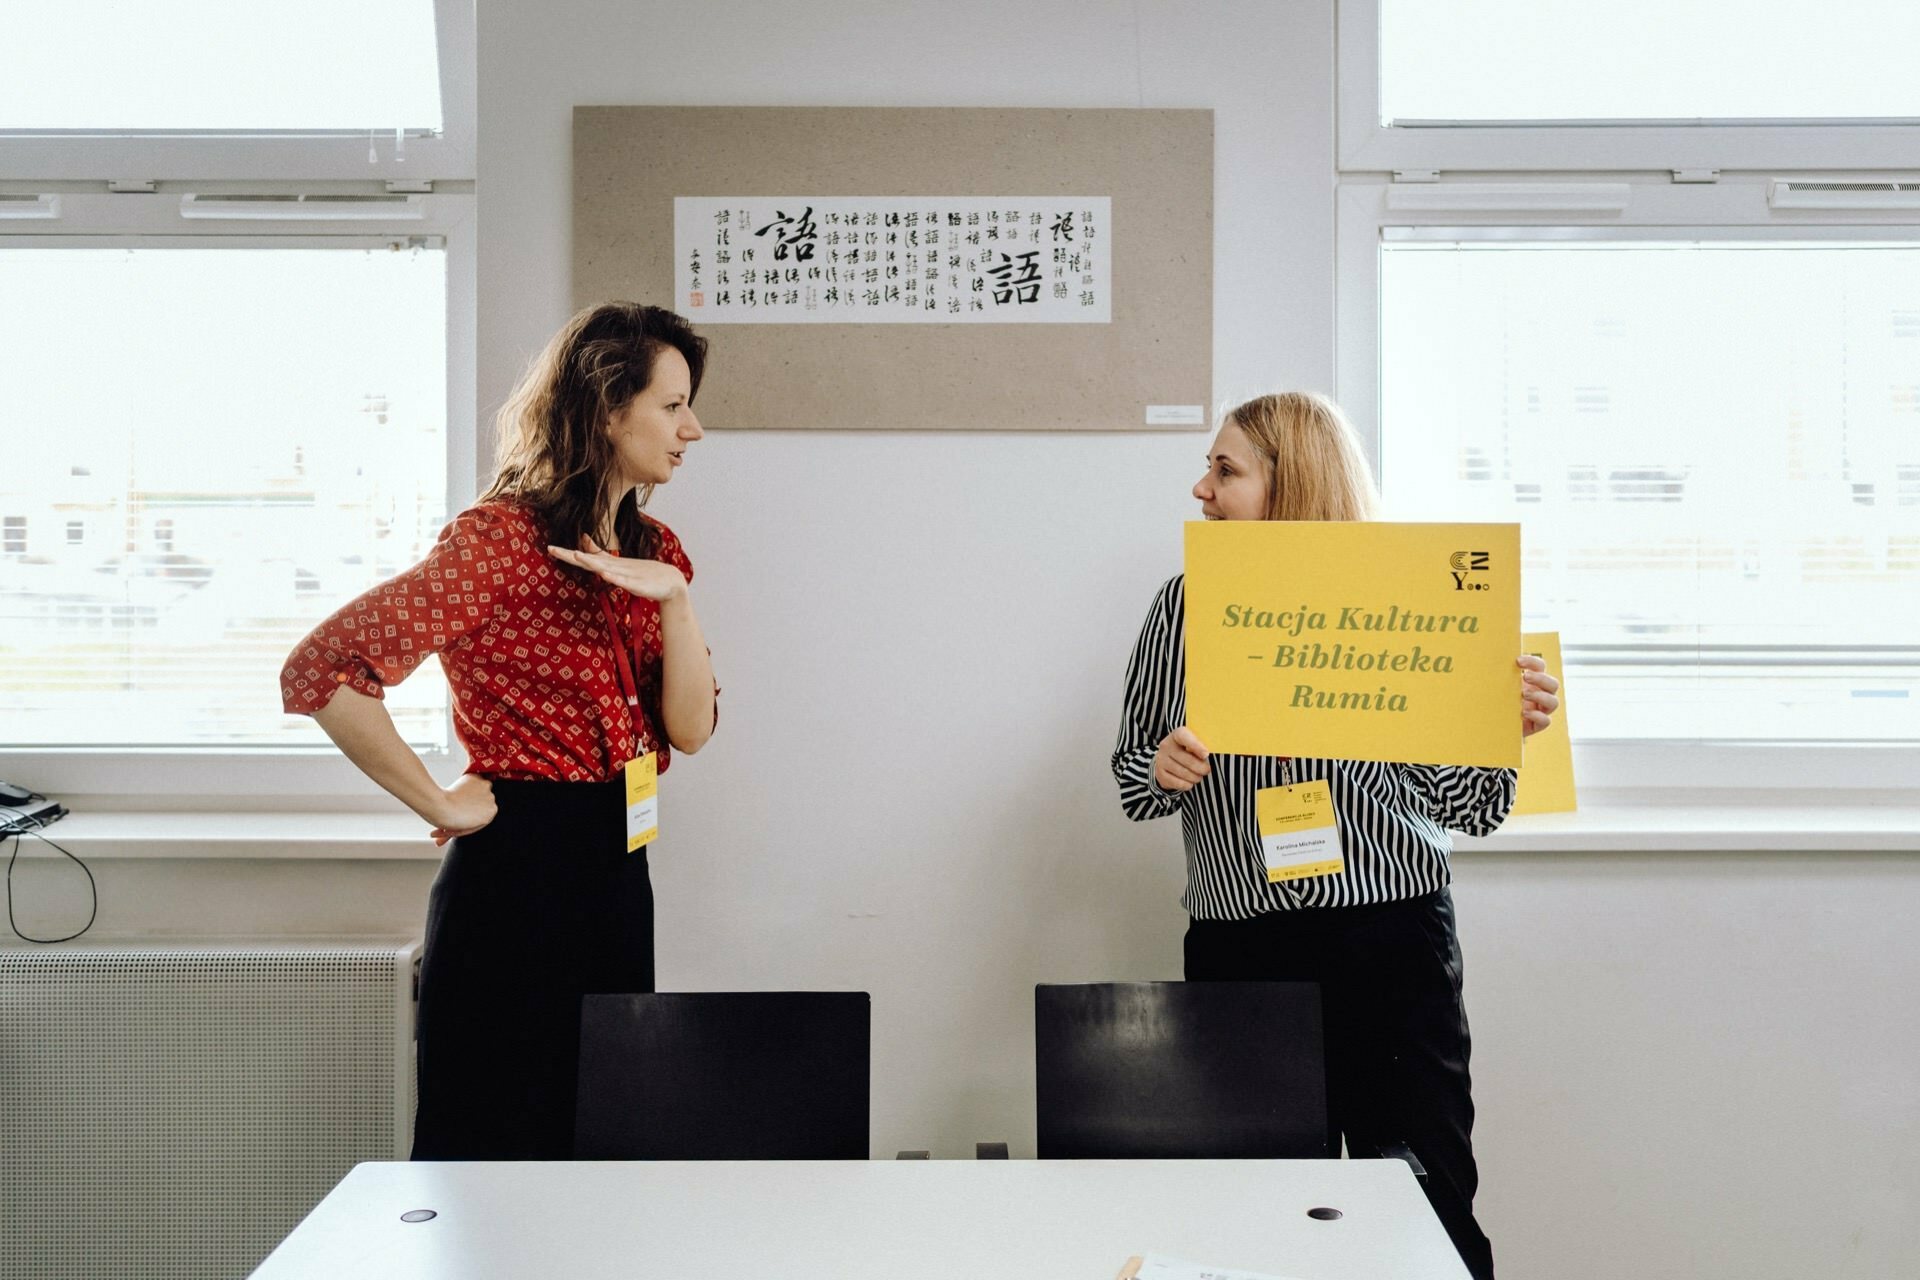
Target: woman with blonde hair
{"type": "Point", "coordinates": [1377, 936]}
{"type": "Point", "coordinates": [561, 615]}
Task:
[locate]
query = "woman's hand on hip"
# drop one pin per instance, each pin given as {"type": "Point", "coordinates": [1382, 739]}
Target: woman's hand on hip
{"type": "Point", "coordinates": [648, 578]}
{"type": "Point", "coordinates": [467, 806]}
{"type": "Point", "coordinates": [1181, 761]}
{"type": "Point", "coordinates": [1538, 690]}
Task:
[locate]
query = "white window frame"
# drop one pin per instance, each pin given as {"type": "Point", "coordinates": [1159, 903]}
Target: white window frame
{"type": "Point", "coordinates": [1655, 210]}
{"type": "Point", "coordinates": [1366, 144]}
{"type": "Point", "coordinates": [43, 155]}
{"type": "Point", "coordinates": [125, 189]}
{"type": "Point", "coordinates": [236, 779]}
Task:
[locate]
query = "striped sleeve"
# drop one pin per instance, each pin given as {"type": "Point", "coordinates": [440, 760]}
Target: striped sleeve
{"type": "Point", "coordinates": [1469, 800]}
{"type": "Point", "coordinates": [1153, 707]}
{"type": "Point", "coordinates": [1392, 817]}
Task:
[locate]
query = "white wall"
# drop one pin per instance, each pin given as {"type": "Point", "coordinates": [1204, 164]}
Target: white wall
{"type": "Point", "coordinates": [1695, 1066]}
{"type": "Point", "coordinates": [1687, 1066]}
{"type": "Point", "coordinates": [921, 637]}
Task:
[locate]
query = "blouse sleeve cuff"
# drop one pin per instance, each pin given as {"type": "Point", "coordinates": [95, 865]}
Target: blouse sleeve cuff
{"type": "Point", "coordinates": [305, 692]}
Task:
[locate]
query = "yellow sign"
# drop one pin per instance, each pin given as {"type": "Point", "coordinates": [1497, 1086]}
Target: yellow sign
{"type": "Point", "coordinates": [1355, 640]}
{"type": "Point", "coordinates": [643, 800]}
{"type": "Point", "coordinates": [1546, 779]}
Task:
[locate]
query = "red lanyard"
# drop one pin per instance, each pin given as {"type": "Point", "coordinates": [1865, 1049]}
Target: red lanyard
{"type": "Point", "coordinates": [624, 666]}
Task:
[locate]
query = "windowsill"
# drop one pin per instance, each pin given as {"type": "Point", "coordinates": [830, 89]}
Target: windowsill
{"type": "Point", "coordinates": [336, 835]}
{"type": "Point", "coordinates": [1601, 828]}
{"type": "Point", "coordinates": [1727, 827]}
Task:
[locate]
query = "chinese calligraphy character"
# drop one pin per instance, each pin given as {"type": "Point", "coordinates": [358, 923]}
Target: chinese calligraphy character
{"type": "Point", "coordinates": [1014, 281]}
{"type": "Point", "coordinates": [798, 234]}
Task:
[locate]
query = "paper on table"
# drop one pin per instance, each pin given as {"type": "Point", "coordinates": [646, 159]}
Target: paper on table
{"type": "Point", "coordinates": [1154, 1266]}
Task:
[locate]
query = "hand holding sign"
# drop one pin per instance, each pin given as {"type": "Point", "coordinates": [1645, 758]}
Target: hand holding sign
{"type": "Point", "coordinates": [1538, 694]}
{"type": "Point", "coordinates": [1181, 761]}
{"type": "Point", "coordinates": [1546, 780]}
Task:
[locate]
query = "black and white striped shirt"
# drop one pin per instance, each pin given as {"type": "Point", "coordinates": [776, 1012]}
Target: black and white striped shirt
{"type": "Point", "coordinates": [1393, 818]}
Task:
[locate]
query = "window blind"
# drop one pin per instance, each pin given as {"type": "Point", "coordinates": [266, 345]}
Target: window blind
{"type": "Point", "coordinates": [1714, 451]}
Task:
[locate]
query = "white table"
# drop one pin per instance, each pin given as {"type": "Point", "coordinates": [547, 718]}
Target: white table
{"type": "Point", "coordinates": [867, 1220]}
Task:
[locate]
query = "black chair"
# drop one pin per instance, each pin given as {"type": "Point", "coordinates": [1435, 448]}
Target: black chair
{"type": "Point", "coordinates": [758, 1075]}
{"type": "Point", "coordinates": [1169, 1070]}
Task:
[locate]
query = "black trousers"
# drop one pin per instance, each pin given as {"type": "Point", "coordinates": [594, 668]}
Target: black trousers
{"type": "Point", "coordinates": [1396, 1030]}
{"type": "Point", "coordinates": [528, 914]}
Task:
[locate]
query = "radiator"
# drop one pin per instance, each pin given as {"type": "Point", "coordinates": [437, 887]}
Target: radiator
{"type": "Point", "coordinates": [173, 1110]}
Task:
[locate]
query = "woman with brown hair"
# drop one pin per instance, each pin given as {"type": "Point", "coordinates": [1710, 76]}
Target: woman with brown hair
{"type": "Point", "coordinates": [1378, 936]}
{"type": "Point", "coordinates": [562, 618]}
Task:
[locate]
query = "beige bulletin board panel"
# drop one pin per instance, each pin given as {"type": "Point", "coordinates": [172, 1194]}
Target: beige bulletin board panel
{"type": "Point", "coordinates": [629, 163]}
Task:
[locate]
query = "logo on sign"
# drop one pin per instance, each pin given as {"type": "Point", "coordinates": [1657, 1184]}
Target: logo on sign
{"type": "Point", "coordinates": [1462, 564]}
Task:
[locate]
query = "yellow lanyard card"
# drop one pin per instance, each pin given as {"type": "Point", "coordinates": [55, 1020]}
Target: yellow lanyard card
{"type": "Point", "coordinates": [643, 801]}
{"type": "Point", "coordinates": [1298, 835]}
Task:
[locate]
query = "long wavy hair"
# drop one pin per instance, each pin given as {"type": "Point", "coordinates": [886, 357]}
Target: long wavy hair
{"type": "Point", "coordinates": [555, 455]}
{"type": "Point", "coordinates": [1317, 470]}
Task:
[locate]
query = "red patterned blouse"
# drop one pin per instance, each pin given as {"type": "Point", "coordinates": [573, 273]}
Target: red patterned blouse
{"type": "Point", "coordinates": [523, 642]}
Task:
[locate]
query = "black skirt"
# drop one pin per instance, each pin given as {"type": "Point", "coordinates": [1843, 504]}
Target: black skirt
{"type": "Point", "coordinates": [528, 914]}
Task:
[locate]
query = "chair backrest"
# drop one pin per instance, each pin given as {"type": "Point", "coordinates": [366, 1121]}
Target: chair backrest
{"type": "Point", "coordinates": [1222, 1070]}
{"type": "Point", "coordinates": [724, 1075]}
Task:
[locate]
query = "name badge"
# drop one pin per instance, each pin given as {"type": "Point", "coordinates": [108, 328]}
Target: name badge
{"type": "Point", "coordinates": [1298, 835]}
{"type": "Point", "coordinates": [643, 801]}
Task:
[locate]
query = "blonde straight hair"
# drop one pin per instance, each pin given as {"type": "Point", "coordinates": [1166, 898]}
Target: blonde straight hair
{"type": "Point", "coordinates": [1315, 468]}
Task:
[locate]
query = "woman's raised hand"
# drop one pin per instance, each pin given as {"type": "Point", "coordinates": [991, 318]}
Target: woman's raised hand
{"type": "Point", "coordinates": [648, 578]}
{"type": "Point", "coordinates": [1538, 690]}
{"type": "Point", "coordinates": [1181, 761]}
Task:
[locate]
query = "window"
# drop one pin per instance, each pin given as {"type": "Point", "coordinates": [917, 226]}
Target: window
{"type": "Point", "coordinates": [13, 535]}
{"type": "Point", "coordinates": [1641, 278]}
{"type": "Point", "coordinates": [221, 65]}
{"type": "Point", "coordinates": [237, 90]}
{"type": "Point", "coordinates": [1651, 85]}
{"type": "Point", "coordinates": [1643, 61]}
{"type": "Point", "coordinates": [1707, 444]}
{"type": "Point", "coordinates": [236, 250]}
{"type": "Point", "coordinates": [263, 430]}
